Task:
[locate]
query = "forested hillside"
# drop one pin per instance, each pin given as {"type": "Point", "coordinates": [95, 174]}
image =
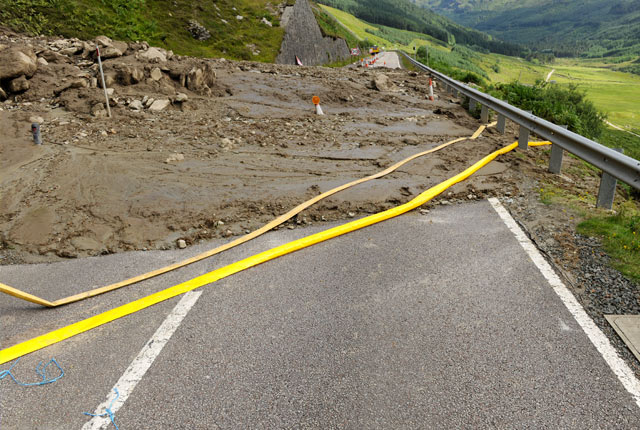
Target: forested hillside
{"type": "Point", "coordinates": [404, 15]}
{"type": "Point", "coordinates": [592, 28]}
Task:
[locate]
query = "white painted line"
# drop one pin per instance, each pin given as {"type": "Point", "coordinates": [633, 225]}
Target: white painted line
{"type": "Point", "coordinates": [143, 361]}
{"type": "Point", "coordinates": [599, 340]}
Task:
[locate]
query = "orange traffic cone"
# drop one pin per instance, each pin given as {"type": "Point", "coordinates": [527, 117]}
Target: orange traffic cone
{"type": "Point", "coordinates": [316, 101]}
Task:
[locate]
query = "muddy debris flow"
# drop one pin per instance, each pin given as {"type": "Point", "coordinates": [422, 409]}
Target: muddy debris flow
{"type": "Point", "coordinates": [231, 146]}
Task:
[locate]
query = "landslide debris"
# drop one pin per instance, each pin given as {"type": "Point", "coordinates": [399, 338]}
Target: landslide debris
{"type": "Point", "coordinates": [199, 149]}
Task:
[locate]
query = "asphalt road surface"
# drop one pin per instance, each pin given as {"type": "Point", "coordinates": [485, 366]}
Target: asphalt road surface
{"type": "Point", "coordinates": [424, 321]}
{"type": "Point", "coordinates": [389, 60]}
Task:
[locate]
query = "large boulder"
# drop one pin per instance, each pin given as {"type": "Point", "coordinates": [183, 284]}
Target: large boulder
{"type": "Point", "coordinates": [200, 78]}
{"type": "Point", "coordinates": [16, 62]}
{"type": "Point", "coordinates": [127, 74]}
{"type": "Point", "coordinates": [103, 41]}
{"type": "Point", "coordinates": [54, 57]}
{"type": "Point", "coordinates": [19, 85]}
{"type": "Point", "coordinates": [154, 55]}
{"type": "Point", "coordinates": [381, 82]}
{"type": "Point", "coordinates": [159, 105]}
{"type": "Point", "coordinates": [114, 50]}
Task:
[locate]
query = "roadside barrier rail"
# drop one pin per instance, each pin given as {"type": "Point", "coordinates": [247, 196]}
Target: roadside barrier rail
{"type": "Point", "coordinates": [614, 164]}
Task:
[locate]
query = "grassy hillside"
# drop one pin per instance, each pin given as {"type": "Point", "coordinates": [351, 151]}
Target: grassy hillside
{"type": "Point", "coordinates": [402, 14]}
{"type": "Point", "coordinates": [160, 22]}
{"type": "Point", "coordinates": [594, 28]}
{"type": "Point", "coordinates": [380, 35]}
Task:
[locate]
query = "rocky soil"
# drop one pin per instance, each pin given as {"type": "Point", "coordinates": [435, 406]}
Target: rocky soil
{"type": "Point", "coordinates": [197, 149]}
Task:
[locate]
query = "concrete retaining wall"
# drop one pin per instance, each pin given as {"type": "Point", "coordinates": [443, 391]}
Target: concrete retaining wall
{"type": "Point", "coordinates": [304, 39]}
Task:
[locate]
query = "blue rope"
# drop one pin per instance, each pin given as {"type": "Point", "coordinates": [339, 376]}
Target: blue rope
{"type": "Point", "coordinates": [41, 370]}
{"type": "Point", "coordinates": [108, 411]}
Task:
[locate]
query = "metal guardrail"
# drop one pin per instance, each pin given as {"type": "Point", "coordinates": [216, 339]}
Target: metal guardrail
{"type": "Point", "coordinates": [614, 163]}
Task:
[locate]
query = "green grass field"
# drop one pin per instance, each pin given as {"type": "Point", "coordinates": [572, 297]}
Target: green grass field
{"type": "Point", "coordinates": [615, 93]}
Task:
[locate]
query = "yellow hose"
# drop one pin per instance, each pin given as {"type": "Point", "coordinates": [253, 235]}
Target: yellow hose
{"type": "Point", "coordinates": [63, 333]}
{"type": "Point", "coordinates": [277, 221]}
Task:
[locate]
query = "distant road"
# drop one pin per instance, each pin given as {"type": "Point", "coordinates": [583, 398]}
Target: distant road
{"type": "Point", "coordinates": [621, 129]}
{"type": "Point", "coordinates": [389, 60]}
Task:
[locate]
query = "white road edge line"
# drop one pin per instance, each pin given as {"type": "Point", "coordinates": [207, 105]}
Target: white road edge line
{"type": "Point", "coordinates": [143, 360]}
{"type": "Point", "coordinates": [599, 340]}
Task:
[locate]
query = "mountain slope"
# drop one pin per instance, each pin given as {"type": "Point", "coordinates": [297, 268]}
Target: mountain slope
{"type": "Point", "coordinates": [162, 23]}
{"type": "Point", "coordinates": [404, 15]}
{"type": "Point", "coordinates": [589, 27]}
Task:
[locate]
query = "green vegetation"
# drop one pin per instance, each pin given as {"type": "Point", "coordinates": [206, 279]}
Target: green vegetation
{"type": "Point", "coordinates": [160, 22]}
{"type": "Point", "coordinates": [459, 63]}
{"type": "Point", "coordinates": [592, 28]}
{"type": "Point", "coordinates": [621, 139]}
{"type": "Point", "coordinates": [613, 92]}
{"type": "Point", "coordinates": [333, 28]}
{"type": "Point", "coordinates": [565, 105]}
{"type": "Point", "coordinates": [620, 234]}
{"type": "Point", "coordinates": [404, 15]}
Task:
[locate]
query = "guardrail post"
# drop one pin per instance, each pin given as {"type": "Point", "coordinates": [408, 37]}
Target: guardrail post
{"type": "Point", "coordinates": [555, 163]}
{"type": "Point", "coordinates": [484, 114]}
{"type": "Point", "coordinates": [607, 190]}
{"type": "Point", "coordinates": [523, 138]}
{"type": "Point", "coordinates": [472, 104]}
{"type": "Point", "coordinates": [502, 122]}
{"type": "Point", "coordinates": [455, 93]}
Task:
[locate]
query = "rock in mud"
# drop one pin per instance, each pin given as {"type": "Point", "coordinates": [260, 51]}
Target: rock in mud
{"type": "Point", "coordinates": [154, 55]}
{"type": "Point", "coordinates": [98, 110]}
{"type": "Point", "coordinates": [110, 52]}
{"type": "Point", "coordinates": [16, 62]}
{"type": "Point", "coordinates": [201, 78]}
{"type": "Point", "coordinates": [156, 74]}
{"type": "Point", "coordinates": [19, 85]}
{"type": "Point", "coordinates": [127, 75]}
{"type": "Point", "coordinates": [174, 158]}
{"type": "Point", "coordinates": [54, 57]}
{"type": "Point", "coordinates": [159, 105]}
{"type": "Point", "coordinates": [381, 82]}
{"type": "Point", "coordinates": [103, 41]}
{"type": "Point", "coordinates": [72, 50]}
{"type": "Point", "coordinates": [136, 105]}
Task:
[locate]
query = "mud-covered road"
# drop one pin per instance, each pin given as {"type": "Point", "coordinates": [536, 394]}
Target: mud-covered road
{"type": "Point", "coordinates": [221, 164]}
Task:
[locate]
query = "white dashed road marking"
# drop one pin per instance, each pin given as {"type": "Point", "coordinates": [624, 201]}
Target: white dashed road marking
{"type": "Point", "coordinates": [143, 361]}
